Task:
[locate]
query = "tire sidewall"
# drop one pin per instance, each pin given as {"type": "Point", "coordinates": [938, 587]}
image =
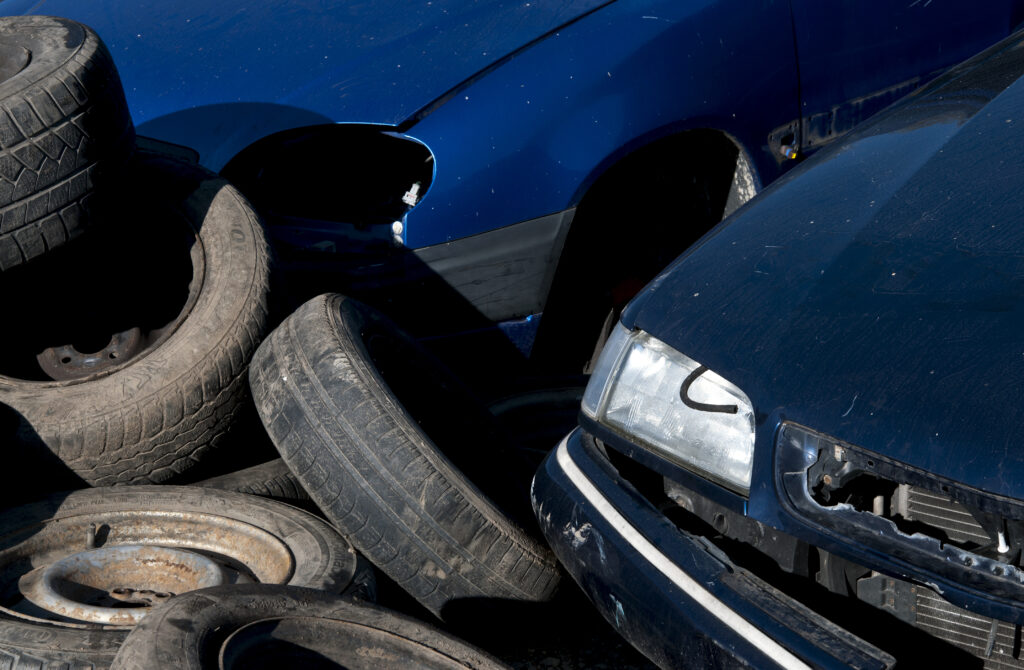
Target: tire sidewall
{"type": "Point", "coordinates": [52, 42]}
{"type": "Point", "coordinates": [213, 614]}
{"type": "Point", "coordinates": [235, 259]}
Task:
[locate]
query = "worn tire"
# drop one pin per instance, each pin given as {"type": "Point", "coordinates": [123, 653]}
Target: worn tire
{"type": "Point", "coordinates": [291, 544]}
{"type": "Point", "coordinates": [272, 479]}
{"type": "Point", "coordinates": [64, 131]}
{"type": "Point", "coordinates": [364, 452]}
{"type": "Point", "coordinates": [234, 624]}
{"type": "Point", "coordinates": [157, 414]}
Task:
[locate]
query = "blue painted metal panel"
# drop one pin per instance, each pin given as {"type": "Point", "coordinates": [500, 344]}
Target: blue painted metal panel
{"type": "Point", "coordinates": [532, 136]}
{"type": "Point", "coordinates": [524, 105]}
{"type": "Point", "coordinates": [230, 72]}
{"type": "Point", "coordinates": [858, 57]}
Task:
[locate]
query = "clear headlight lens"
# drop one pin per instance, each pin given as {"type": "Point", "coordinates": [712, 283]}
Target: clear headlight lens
{"type": "Point", "coordinates": [673, 406]}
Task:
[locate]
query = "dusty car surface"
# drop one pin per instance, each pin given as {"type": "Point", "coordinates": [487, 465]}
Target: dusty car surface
{"type": "Point", "coordinates": [458, 150]}
{"type": "Point", "coordinates": [800, 447]}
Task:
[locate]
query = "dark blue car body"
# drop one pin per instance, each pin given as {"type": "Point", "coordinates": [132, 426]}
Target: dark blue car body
{"type": "Point", "coordinates": [871, 305]}
{"type": "Point", "coordinates": [520, 108]}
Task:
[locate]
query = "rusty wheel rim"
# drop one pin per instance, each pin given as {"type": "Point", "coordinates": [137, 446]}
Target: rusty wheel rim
{"type": "Point", "coordinates": [69, 574]}
{"type": "Point", "coordinates": [117, 585]}
{"type": "Point", "coordinates": [117, 298]}
{"type": "Point", "coordinates": [65, 362]}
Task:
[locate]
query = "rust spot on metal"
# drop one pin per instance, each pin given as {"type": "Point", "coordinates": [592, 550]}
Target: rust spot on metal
{"type": "Point", "coordinates": [117, 585]}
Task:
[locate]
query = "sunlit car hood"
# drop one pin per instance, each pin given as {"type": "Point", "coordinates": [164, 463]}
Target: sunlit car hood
{"type": "Point", "coordinates": [373, 62]}
{"type": "Point", "coordinates": [877, 294]}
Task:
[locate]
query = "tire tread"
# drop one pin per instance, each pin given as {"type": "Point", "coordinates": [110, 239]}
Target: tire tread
{"type": "Point", "coordinates": [417, 522]}
{"type": "Point", "coordinates": [61, 137]}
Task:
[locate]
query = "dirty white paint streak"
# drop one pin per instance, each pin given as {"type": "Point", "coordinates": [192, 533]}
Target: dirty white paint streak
{"type": "Point", "coordinates": [577, 536]}
{"type": "Point", "coordinates": [665, 566]}
{"type": "Point", "coordinates": [620, 615]}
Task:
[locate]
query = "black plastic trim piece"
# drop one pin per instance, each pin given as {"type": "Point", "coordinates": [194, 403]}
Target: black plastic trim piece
{"type": "Point", "coordinates": [504, 273]}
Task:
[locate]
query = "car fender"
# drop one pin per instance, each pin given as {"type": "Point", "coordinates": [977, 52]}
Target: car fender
{"type": "Point", "coordinates": [626, 75]}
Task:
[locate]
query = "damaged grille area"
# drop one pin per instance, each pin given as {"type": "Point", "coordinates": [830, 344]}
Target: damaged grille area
{"type": "Point", "coordinates": [947, 531]}
{"type": "Point", "coordinates": [936, 514]}
{"type": "Point", "coordinates": [969, 539]}
{"type": "Point", "coordinates": [866, 504]}
{"type": "Point", "coordinates": [998, 642]}
{"type": "Point", "coordinates": [937, 511]}
{"type": "Point", "coordinates": [913, 509]}
{"type": "Point", "coordinates": [843, 478]}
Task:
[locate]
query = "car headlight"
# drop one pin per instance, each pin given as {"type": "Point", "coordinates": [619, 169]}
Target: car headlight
{"type": "Point", "coordinates": [673, 406]}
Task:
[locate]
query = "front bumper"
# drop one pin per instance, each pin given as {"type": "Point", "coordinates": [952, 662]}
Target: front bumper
{"type": "Point", "coordinates": [674, 596]}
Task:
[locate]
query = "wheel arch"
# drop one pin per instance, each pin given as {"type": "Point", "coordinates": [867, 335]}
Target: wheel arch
{"type": "Point", "coordinates": [690, 136]}
{"type": "Point", "coordinates": [635, 212]}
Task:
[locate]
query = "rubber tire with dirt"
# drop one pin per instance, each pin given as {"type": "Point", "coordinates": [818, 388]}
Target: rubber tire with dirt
{"type": "Point", "coordinates": [322, 559]}
{"type": "Point", "coordinates": [399, 456]}
{"type": "Point", "coordinates": [272, 479]}
{"type": "Point", "coordinates": [189, 632]}
{"type": "Point", "coordinates": [158, 414]}
{"type": "Point", "coordinates": [64, 131]}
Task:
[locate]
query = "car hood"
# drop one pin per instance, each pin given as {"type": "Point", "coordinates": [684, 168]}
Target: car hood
{"type": "Point", "coordinates": [877, 293]}
{"type": "Point", "coordinates": [370, 62]}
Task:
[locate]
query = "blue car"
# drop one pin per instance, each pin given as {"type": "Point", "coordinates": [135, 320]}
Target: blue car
{"type": "Point", "coordinates": [801, 444]}
{"type": "Point", "coordinates": [462, 161]}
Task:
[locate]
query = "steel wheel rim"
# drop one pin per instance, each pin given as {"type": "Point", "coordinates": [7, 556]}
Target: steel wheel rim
{"type": "Point", "coordinates": [241, 553]}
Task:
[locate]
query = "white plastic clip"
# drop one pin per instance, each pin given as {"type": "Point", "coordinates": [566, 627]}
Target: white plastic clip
{"type": "Point", "coordinates": [412, 196]}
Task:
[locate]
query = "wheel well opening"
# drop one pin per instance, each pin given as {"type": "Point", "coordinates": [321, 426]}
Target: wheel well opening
{"type": "Point", "coordinates": [354, 174]}
{"type": "Point", "coordinates": [640, 214]}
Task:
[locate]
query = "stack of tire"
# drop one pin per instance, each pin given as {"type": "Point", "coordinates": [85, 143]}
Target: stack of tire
{"type": "Point", "coordinates": [88, 223]}
{"type": "Point", "coordinates": [136, 290]}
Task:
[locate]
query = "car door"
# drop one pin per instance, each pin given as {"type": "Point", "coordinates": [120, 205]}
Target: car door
{"type": "Point", "coordinates": [857, 56]}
